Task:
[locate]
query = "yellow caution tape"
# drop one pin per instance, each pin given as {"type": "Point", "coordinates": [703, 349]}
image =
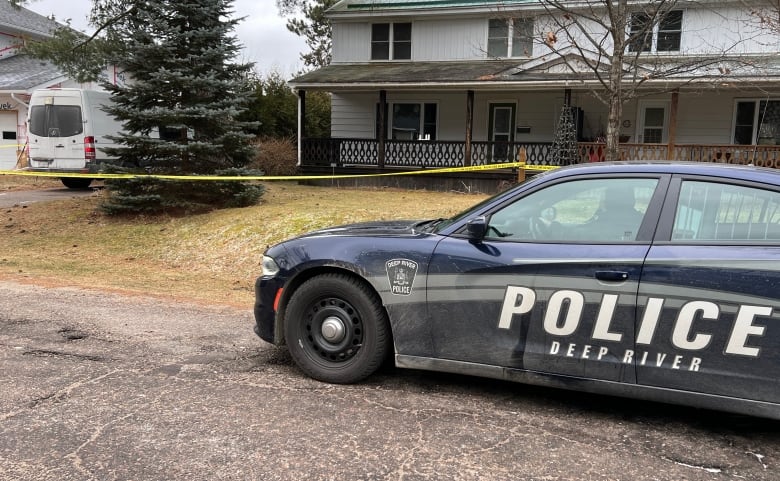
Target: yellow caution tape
{"type": "Point", "coordinates": [538, 168]}
{"type": "Point", "coordinates": [280, 177]}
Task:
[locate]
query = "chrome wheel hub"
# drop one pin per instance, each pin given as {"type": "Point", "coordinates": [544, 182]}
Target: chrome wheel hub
{"type": "Point", "coordinates": [333, 329]}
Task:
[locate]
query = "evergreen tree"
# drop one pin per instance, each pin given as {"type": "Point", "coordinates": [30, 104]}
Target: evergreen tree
{"type": "Point", "coordinates": [306, 18]}
{"type": "Point", "coordinates": [177, 55]}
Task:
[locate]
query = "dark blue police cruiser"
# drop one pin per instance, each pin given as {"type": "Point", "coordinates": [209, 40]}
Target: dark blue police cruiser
{"type": "Point", "coordinates": [653, 281]}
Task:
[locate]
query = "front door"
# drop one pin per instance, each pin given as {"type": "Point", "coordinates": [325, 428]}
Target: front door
{"type": "Point", "coordinates": [501, 131]}
{"type": "Point", "coordinates": [653, 122]}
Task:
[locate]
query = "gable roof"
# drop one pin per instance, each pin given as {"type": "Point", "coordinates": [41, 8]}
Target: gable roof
{"type": "Point", "coordinates": [25, 21]}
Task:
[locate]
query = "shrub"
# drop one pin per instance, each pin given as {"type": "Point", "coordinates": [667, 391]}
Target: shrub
{"type": "Point", "coordinates": [276, 157]}
{"type": "Point", "coordinates": [154, 196]}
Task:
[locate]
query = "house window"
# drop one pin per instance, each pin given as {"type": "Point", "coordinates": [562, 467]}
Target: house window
{"type": "Point", "coordinates": [391, 41]}
{"type": "Point", "coordinates": [662, 36]}
{"type": "Point", "coordinates": [669, 32]}
{"type": "Point", "coordinates": [757, 122]}
{"type": "Point", "coordinates": [411, 121]}
{"type": "Point", "coordinates": [510, 37]}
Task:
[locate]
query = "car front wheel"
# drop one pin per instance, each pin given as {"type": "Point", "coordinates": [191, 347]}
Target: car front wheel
{"type": "Point", "coordinates": [336, 329]}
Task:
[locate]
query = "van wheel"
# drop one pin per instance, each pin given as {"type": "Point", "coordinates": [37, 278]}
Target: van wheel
{"type": "Point", "coordinates": [75, 182]}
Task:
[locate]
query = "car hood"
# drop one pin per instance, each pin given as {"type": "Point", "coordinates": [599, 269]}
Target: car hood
{"type": "Point", "coordinates": [393, 228]}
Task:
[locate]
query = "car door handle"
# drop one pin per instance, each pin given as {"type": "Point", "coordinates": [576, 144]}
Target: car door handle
{"type": "Point", "coordinates": [611, 275]}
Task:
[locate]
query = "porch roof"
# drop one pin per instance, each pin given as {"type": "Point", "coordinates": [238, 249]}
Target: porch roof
{"type": "Point", "coordinates": [420, 74]}
{"type": "Point", "coordinates": [538, 74]}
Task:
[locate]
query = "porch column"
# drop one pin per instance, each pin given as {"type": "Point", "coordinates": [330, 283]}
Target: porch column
{"type": "Point", "coordinates": [469, 127]}
{"type": "Point", "coordinates": [672, 125]}
{"type": "Point", "coordinates": [301, 124]}
{"type": "Point", "coordinates": [380, 155]}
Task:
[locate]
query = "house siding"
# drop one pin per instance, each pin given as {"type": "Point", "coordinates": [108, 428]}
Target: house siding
{"type": "Point", "coordinates": [714, 37]}
{"type": "Point", "coordinates": [712, 30]}
{"type": "Point", "coordinates": [352, 115]}
{"type": "Point", "coordinates": [457, 39]}
{"type": "Point", "coordinates": [351, 42]}
{"type": "Point", "coordinates": [724, 29]}
{"type": "Point", "coordinates": [704, 119]}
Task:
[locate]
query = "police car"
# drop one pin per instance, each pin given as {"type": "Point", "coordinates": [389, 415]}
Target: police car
{"type": "Point", "coordinates": [652, 281]}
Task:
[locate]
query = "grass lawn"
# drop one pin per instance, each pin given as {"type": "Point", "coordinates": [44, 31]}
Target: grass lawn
{"type": "Point", "coordinates": [213, 258]}
{"type": "Point", "coordinates": [10, 183]}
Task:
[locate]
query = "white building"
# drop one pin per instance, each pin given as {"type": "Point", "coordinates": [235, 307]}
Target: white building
{"type": "Point", "coordinates": [459, 82]}
{"type": "Point", "coordinates": [21, 74]}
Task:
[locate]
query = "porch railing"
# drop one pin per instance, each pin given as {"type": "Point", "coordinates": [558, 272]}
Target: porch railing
{"type": "Point", "coordinates": [438, 154]}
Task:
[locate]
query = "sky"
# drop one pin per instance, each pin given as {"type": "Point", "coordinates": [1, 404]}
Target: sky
{"type": "Point", "coordinates": [266, 40]}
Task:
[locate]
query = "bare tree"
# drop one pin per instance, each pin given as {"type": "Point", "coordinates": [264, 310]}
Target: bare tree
{"type": "Point", "coordinates": [766, 12]}
{"type": "Point", "coordinates": [610, 43]}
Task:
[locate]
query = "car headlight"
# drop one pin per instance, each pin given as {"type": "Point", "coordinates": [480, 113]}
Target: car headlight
{"type": "Point", "coordinates": [270, 268]}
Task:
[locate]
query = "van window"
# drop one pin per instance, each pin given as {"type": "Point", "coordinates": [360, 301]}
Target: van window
{"type": "Point", "coordinates": [56, 120]}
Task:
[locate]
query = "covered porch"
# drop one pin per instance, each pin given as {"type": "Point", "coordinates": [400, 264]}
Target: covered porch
{"type": "Point", "coordinates": [435, 115]}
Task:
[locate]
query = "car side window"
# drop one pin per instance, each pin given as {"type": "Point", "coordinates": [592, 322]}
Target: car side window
{"type": "Point", "coordinates": [711, 211]}
{"type": "Point", "coordinates": [592, 210]}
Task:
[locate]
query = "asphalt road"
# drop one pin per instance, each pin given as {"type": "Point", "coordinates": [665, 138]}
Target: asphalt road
{"type": "Point", "coordinates": [99, 386]}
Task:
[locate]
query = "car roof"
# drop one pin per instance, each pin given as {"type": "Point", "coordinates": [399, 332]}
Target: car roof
{"type": "Point", "coordinates": [731, 171]}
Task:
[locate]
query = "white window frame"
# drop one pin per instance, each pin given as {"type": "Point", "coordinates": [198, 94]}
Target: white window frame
{"type": "Point", "coordinates": [391, 42]}
{"type": "Point", "coordinates": [509, 23]}
{"type": "Point", "coordinates": [754, 137]}
{"type": "Point", "coordinates": [640, 121]}
{"type": "Point", "coordinates": [421, 130]}
{"type": "Point", "coordinates": [655, 34]}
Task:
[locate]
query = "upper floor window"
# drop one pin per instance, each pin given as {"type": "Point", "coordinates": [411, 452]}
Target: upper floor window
{"type": "Point", "coordinates": [391, 41]}
{"type": "Point", "coordinates": [757, 122]}
{"type": "Point", "coordinates": [510, 37]}
{"type": "Point", "coordinates": [660, 34]}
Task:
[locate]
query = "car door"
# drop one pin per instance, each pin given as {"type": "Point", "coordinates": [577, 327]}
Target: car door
{"type": "Point", "coordinates": [708, 300]}
{"type": "Point", "coordinates": [552, 286]}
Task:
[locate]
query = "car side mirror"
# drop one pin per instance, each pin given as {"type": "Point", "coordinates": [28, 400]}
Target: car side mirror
{"type": "Point", "coordinates": [477, 228]}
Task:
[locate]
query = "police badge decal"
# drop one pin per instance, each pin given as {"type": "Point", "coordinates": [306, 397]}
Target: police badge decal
{"type": "Point", "coordinates": [400, 273]}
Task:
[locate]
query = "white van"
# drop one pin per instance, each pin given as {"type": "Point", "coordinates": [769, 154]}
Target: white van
{"type": "Point", "coordinates": [67, 132]}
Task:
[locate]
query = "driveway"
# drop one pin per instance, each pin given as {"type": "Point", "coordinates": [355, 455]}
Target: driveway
{"type": "Point", "coordinates": [101, 386]}
{"type": "Point", "coordinates": [23, 197]}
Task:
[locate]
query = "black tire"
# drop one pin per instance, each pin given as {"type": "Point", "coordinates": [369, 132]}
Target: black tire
{"type": "Point", "coordinates": [336, 329]}
{"type": "Point", "coordinates": [75, 182]}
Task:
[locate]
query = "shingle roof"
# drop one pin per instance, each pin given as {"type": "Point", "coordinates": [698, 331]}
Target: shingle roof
{"type": "Point", "coordinates": [22, 72]}
{"type": "Point", "coordinates": [25, 21]}
{"type": "Point", "coordinates": [377, 74]}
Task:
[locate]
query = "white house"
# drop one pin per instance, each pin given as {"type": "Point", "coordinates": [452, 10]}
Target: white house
{"type": "Point", "coordinates": [20, 74]}
{"type": "Point", "coordinates": [426, 83]}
